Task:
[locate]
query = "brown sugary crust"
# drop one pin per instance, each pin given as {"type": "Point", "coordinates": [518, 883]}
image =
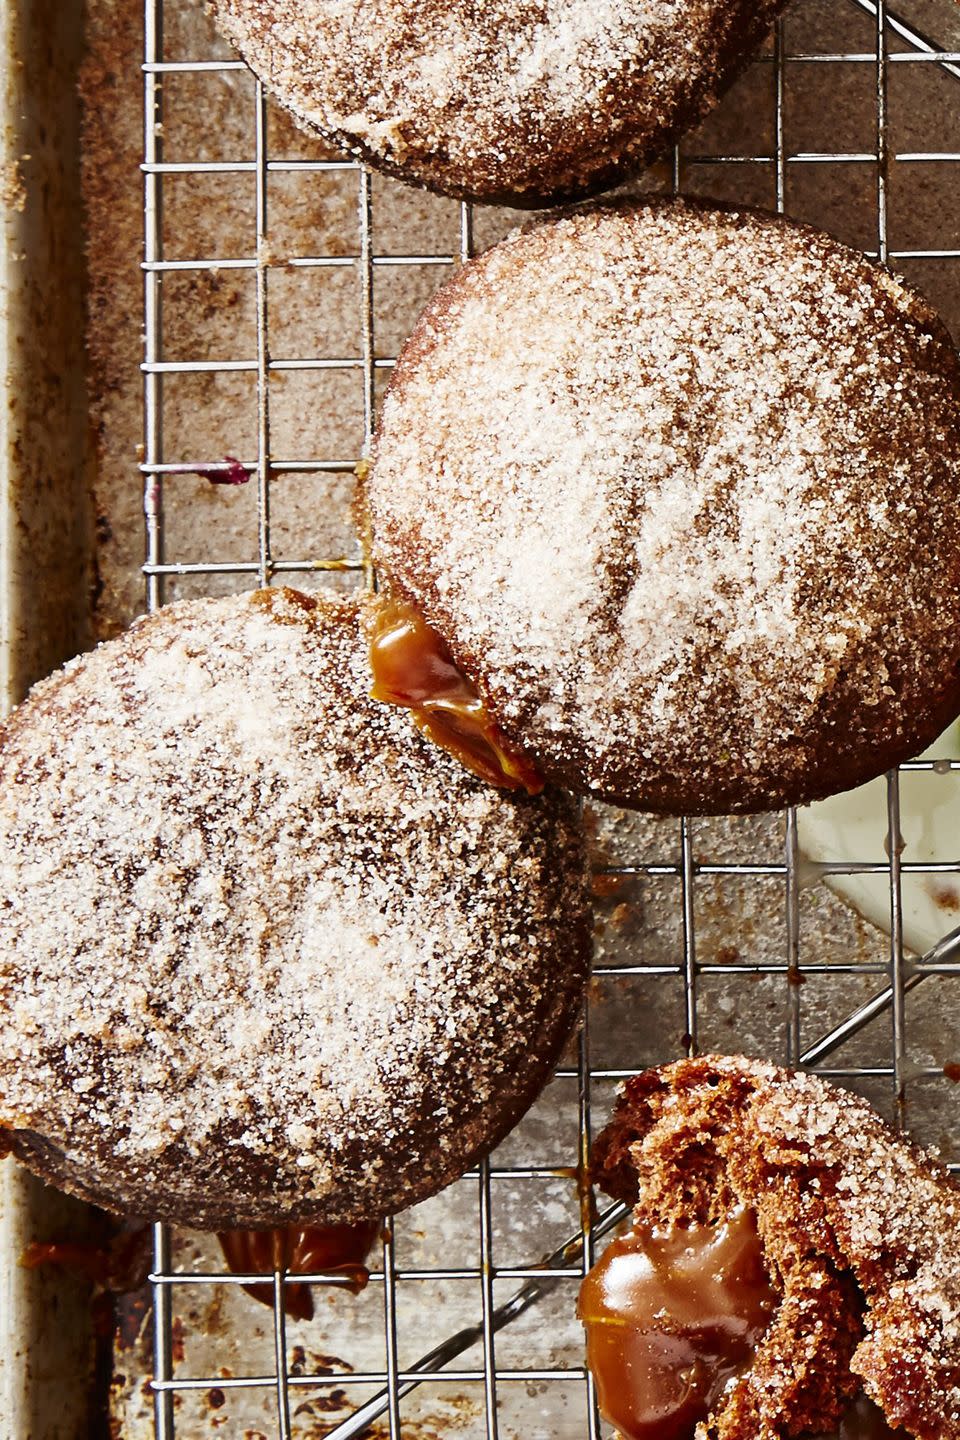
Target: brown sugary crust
{"type": "Point", "coordinates": [679, 485]}
{"type": "Point", "coordinates": [860, 1230]}
{"type": "Point", "coordinates": [508, 102]}
{"type": "Point", "coordinates": [265, 954]}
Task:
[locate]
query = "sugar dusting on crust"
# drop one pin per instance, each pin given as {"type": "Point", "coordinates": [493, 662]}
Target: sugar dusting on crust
{"type": "Point", "coordinates": [507, 97]}
{"type": "Point", "coordinates": [265, 952]}
{"type": "Point", "coordinates": [680, 488]}
{"type": "Point", "coordinates": [861, 1232]}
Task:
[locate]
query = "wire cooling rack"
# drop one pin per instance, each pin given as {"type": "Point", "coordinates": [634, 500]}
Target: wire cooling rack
{"type": "Point", "coordinates": [873, 980]}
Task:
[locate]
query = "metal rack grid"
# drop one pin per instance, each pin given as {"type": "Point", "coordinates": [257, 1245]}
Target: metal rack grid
{"type": "Point", "coordinates": [896, 975]}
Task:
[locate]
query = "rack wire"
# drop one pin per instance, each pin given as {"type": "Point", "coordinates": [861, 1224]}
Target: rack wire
{"type": "Point", "coordinates": [890, 979]}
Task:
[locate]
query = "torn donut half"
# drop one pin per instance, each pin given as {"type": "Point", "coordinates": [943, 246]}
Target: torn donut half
{"type": "Point", "coordinates": [793, 1268]}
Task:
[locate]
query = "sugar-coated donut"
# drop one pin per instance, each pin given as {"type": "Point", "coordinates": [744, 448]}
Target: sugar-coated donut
{"type": "Point", "coordinates": [266, 954]}
{"type": "Point", "coordinates": [860, 1232]}
{"type": "Point", "coordinates": [679, 487]}
{"type": "Point", "coordinates": [508, 101]}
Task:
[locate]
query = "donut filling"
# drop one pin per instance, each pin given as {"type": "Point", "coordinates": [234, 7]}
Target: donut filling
{"type": "Point", "coordinates": [413, 668]}
{"type": "Point", "coordinates": [300, 1250]}
{"type": "Point", "coordinates": [672, 1315]}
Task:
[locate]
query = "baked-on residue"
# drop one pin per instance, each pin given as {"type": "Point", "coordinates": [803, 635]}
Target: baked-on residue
{"type": "Point", "coordinates": [860, 1229]}
{"type": "Point", "coordinates": [265, 953]}
{"type": "Point", "coordinates": [680, 488]}
{"type": "Point", "coordinates": [509, 101]}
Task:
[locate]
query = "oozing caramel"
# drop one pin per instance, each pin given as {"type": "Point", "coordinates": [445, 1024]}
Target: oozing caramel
{"type": "Point", "coordinates": [413, 667]}
{"type": "Point", "coordinates": [306, 1250]}
{"type": "Point", "coordinates": [671, 1316]}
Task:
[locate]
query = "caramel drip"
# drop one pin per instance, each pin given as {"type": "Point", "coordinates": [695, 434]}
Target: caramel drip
{"type": "Point", "coordinates": [300, 1250]}
{"type": "Point", "coordinates": [671, 1317]}
{"type": "Point", "coordinates": [120, 1264]}
{"type": "Point", "coordinates": [413, 668]}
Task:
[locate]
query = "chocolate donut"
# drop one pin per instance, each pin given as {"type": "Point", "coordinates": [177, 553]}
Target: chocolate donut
{"type": "Point", "coordinates": [858, 1233]}
{"type": "Point", "coordinates": [679, 488]}
{"type": "Point", "coordinates": [509, 101]}
{"type": "Point", "coordinates": [266, 955]}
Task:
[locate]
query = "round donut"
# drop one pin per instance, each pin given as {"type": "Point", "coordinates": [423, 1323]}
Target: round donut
{"type": "Point", "coordinates": [266, 955]}
{"type": "Point", "coordinates": [510, 101]}
{"type": "Point", "coordinates": [860, 1232]}
{"type": "Point", "coordinates": [679, 487]}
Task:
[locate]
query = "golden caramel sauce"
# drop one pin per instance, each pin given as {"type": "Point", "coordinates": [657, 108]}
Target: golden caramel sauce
{"type": "Point", "coordinates": [413, 668]}
{"type": "Point", "coordinates": [300, 1250]}
{"type": "Point", "coordinates": [671, 1317]}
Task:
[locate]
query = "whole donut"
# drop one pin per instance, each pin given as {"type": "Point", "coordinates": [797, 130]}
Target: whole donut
{"type": "Point", "coordinates": [679, 487]}
{"type": "Point", "coordinates": [507, 101]}
{"type": "Point", "coordinates": [265, 954]}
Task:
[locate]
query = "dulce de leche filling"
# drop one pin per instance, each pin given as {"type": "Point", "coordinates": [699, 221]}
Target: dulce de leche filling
{"type": "Point", "coordinates": [413, 667]}
{"type": "Point", "coordinates": [300, 1250]}
{"type": "Point", "coordinates": [671, 1317]}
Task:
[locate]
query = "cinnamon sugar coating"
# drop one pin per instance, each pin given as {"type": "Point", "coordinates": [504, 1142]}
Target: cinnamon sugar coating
{"type": "Point", "coordinates": [509, 101]}
{"type": "Point", "coordinates": [265, 954]}
{"type": "Point", "coordinates": [680, 488]}
{"type": "Point", "coordinates": [860, 1229]}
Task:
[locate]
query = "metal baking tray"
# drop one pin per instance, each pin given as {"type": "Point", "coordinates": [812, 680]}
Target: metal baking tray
{"type": "Point", "coordinates": [245, 291]}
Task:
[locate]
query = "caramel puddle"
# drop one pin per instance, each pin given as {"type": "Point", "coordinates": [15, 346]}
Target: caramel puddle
{"type": "Point", "coordinates": [300, 1250]}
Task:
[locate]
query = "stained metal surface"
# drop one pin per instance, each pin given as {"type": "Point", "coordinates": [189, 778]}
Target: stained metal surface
{"type": "Point", "coordinates": [713, 934]}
